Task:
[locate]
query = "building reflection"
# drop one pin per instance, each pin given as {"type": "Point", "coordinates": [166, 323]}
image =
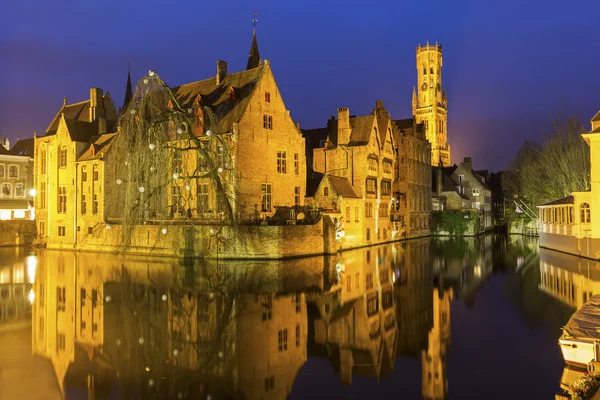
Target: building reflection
{"type": "Point", "coordinates": [569, 279]}
{"type": "Point", "coordinates": [17, 273]}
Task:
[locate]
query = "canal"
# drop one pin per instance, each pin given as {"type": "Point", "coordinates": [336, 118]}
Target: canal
{"type": "Point", "coordinates": [427, 318]}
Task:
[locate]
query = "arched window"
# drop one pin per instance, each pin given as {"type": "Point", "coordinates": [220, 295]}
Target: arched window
{"type": "Point", "coordinates": [431, 69]}
{"type": "Point", "coordinates": [585, 213]}
{"type": "Point", "coordinates": [13, 171]}
{"type": "Point", "coordinates": [368, 235]}
{"type": "Point", "coordinates": [424, 70]}
{"type": "Point", "coordinates": [62, 157]}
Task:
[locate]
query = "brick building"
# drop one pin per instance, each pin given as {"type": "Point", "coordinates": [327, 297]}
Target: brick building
{"type": "Point", "coordinates": [16, 180]}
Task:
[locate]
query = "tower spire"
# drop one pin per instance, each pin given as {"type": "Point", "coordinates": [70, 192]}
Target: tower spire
{"type": "Point", "coordinates": [128, 91]}
{"type": "Point", "coordinates": [254, 57]}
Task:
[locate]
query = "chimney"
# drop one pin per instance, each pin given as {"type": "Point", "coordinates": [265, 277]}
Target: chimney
{"type": "Point", "coordinates": [379, 104]}
{"type": "Point", "coordinates": [96, 104]}
{"type": "Point", "coordinates": [221, 71]}
{"type": "Point", "coordinates": [343, 126]}
{"type": "Point", "coordinates": [101, 125]}
{"type": "Point", "coordinates": [467, 163]}
{"type": "Point", "coordinates": [438, 181]}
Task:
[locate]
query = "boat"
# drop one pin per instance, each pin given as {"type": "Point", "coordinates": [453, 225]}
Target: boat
{"type": "Point", "coordinates": [580, 339]}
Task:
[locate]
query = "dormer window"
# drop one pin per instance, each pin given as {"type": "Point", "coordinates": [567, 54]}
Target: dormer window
{"type": "Point", "coordinates": [326, 191]}
{"type": "Point", "coordinates": [267, 97]}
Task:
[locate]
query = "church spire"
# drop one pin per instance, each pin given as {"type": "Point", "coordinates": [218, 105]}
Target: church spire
{"type": "Point", "coordinates": [128, 91]}
{"type": "Point", "coordinates": [254, 57]}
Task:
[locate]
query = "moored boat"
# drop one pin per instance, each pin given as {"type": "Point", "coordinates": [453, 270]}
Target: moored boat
{"type": "Point", "coordinates": [581, 335]}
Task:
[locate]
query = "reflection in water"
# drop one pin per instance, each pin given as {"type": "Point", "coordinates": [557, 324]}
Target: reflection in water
{"type": "Point", "coordinates": [125, 327]}
{"type": "Point", "coordinates": [17, 273]}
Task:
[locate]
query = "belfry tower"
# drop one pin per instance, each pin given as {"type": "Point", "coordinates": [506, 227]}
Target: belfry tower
{"type": "Point", "coordinates": [429, 102]}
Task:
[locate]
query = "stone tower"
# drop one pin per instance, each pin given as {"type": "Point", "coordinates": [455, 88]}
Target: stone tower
{"type": "Point", "coordinates": [429, 102]}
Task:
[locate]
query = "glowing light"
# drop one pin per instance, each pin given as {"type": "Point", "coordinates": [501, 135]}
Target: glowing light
{"type": "Point", "coordinates": [212, 231]}
{"type": "Point", "coordinates": [151, 382]}
{"type": "Point", "coordinates": [145, 80]}
{"type": "Point", "coordinates": [477, 271]}
{"type": "Point", "coordinates": [31, 296]}
{"type": "Point", "coordinates": [220, 169]}
{"type": "Point", "coordinates": [188, 187]}
{"type": "Point", "coordinates": [151, 72]}
{"type": "Point", "coordinates": [220, 354]}
{"type": "Point", "coordinates": [119, 181]}
{"type": "Point", "coordinates": [118, 342]}
{"type": "Point", "coordinates": [175, 352]}
{"type": "Point", "coordinates": [179, 131]}
{"type": "Point", "coordinates": [152, 146]}
{"type": "Point", "coordinates": [32, 192]}
{"type": "Point", "coordinates": [31, 262]}
{"type": "Point", "coordinates": [164, 231]}
{"type": "Point", "coordinates": [142, 189]}
{"type": "Point", "coordinates": [187, 338]}
{"type": "Point", "coordinates": [164, 297]}
{"type": "Point", "coordinates": [108, 227]}
{"type": "Point", "coordinates": [175, 175]}
{"type": "Point", "coordinates": [208, 132]}
{"type": "Point", "coordinates": [141, 340]}
{"type": "Point", "coordinates": [108, 299]}
{"type": "Point", "coordinates": [132, 111]}
{"type": "Point", "coordinates": [148, 369]}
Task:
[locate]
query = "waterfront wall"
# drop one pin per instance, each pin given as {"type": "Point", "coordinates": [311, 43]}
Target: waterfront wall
{"type": "Point", "coordinates": [582, 247]}
{"type": "Point", "coordinates": [17, 232]}
{"type": "Point", "coordinates": [247, 242]}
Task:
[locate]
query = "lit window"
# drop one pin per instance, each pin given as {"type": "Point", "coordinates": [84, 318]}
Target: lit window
{"type": "Point", "coordinates": [268, 121]}
{"type": "Point", "coordinates": [267, 97]}
{"type": "Point", "coordinates": [281, 162]}
{"type": "Point", "coordinates": [585, 213]}
{"type": "Point", "coordinates": [297, 196]}
{"type": "Point", "coordinates": [282, 339]}
{"type": "Point", "coordinates": [6, 190]}
{"type": "Point", "coordinates": [13, 171]}
{"type": "Point", "coordinates": [266, 197]}
{"type": "Point", "coordinates": [62, 157]}
{"type": "Point", "coordinates": [43, 156]}
{"type": "Point", "coordinates": [62, 199]}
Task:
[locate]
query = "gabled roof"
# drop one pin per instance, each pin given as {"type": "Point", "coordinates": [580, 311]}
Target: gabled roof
{"type": "Point", "coordinates": [361, 130]}
{"type": "Point", "coordinates": [228, 105]}
{"type": "Point", "coordinates": [76, 111]}
{"type": "Point", "coordinates": [81, 131]}
{"type": "Point", "coordinates": [254, 56]}
{"type": "Point", "coordinates": [342, 186]}
{"type": "Point", "coordinates": [100, 144]}
{"type": "Point", "coordinates": [596, 117]}
{"type": "Point", "coordinates": [23, 147]}
{"type": "Point", "coordinates": [564, 200]}
{"type": "Point", "coordinates": [312, 183]}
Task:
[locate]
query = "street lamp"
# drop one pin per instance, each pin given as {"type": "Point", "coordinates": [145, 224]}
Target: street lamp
{"type": "Point", "coordinates": [32, 192]}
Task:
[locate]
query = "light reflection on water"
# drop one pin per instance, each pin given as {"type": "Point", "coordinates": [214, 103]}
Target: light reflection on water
{"type": "Point", "coordinates": [427, 318]}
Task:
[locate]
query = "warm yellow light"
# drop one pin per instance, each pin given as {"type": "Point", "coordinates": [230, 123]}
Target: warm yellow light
{"type": "Point", "coordinates": [32, 192]}
{"type": "Point", "coordinates": [31, 296]}
{"type": "Point", "coordinates": [31, 262]}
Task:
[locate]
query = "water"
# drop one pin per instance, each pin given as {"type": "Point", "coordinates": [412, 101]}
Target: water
{"type": "Point", "coordinates": [427, 318]}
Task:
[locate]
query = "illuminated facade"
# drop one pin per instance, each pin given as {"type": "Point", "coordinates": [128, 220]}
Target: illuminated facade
{"type": "Point", "coordinates": [16, 181]}
{"type": "Point", "coordinates": [430, 104]}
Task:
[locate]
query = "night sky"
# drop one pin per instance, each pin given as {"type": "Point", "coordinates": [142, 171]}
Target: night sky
{"type": "Point", "coordinates": [510, 67]}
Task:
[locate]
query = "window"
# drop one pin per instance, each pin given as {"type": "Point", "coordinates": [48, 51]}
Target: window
{"type": "Point", "coordinates": [42, 196]}
{"type": "Point", "coordinates": [387, 166]}
{"type": "Point", "coordinates": [266, 197]}
{"type": "Point", "coordinates": [475, 192]}
{"type": "Point", "coordinates": [461, 178]}
{"type": "Point", "coordinates": [297, 335]}
{"type": "Point", "coordinates": [384, 211]}
{"type": "Point", "coordinates": [84, 174]}
{"type": "Point", "coordinates": [296, 167]}
{"type": "Point", "coordinates": [20, 190]}
{"type": "Point", "coordinates": [62, 231]}
{"type": "Point", "coordinates": [60, 342]}
{"type": "Point", "coordinates": [62, 157]}
{"type": "Point", "coordinates": [1, 171]}
{"type": "Point", "coordinates": [222, 159]}
{"type": "Point", "coordinates": [369, 281]}
{"type": "Point", "coordinates": [348, 214]}
{"type": "Point", "coordinates": [62, 199]}
{"type": "Point", "coordinates": [268, 121]}
{"type": "Point", "coordinates": [386, 188]}
{"type": "Point", "coordinates": [355, 214]}
{"type": "Point", "coordinates": [202, 164]}
{"type": "Point", "coordinates": [368, 234]}
{"type": "Point", "coordinates": [61, 298]}
{"type": "Point", "coordinates": [585, 213]}
{"type": "Point", "coordinates": [42, 228]}
{"type": "Point", "coordinates": [177, 161]}
{"type": "Point", "coordinates": [372, 304]}
{"type": "Point", "coordinates": [95, 204]}
{"type": "Point", "coordinates": [269, 383]}
{"type": "Point", "coordinates": [202, 199]}
{"type": "Point", "coordinates": [43, 156]}
{"type": "Point", "coordinates": [349, 283]}
{"type": "Point", "coordinates": [326, 191]}
{"type": "Point", "coordinates": [282, 338]}
{"type": "Point", "coordinates": [298, 300]}
{"type": "Point", "coordinates": [281, 163]}
{"type": "Point", "coordinates": [373, 164]}
{"type": "Point", "coordinates": [95, 172]}
{"type": "Point", "coordinates": [368, 210]}
{"type": "Point", "coordinates": [371, 185]}
{"type": "Point", "coordinates": [176, 203]}
{"type": "Point", "coordinates": [267, 306]}
{"type": "Point", "coordinates": [6, 190]}
{"type": "Point", "coordinates": [83, 205]}
{"type": "Point", "coordinates": [267, 97]}
{"type": "Point", "coordinates": [297, 195]}
{"type": "Point", "coordinates": [13, 171]}
{"type": "Point", "coordinates": [424, 70]}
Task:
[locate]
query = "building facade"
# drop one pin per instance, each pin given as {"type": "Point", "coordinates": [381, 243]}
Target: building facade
{"type": "Point", "coordinates": [430, 104]}
{"type": "Point", "coordinates": [16, 181]}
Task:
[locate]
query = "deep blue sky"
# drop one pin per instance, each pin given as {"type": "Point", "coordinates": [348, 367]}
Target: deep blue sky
{"type": "Point", "coordinates": [509, 66]}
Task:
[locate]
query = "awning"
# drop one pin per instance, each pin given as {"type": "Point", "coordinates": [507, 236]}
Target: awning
{"type": "Point", "coordinates": [12, 204]}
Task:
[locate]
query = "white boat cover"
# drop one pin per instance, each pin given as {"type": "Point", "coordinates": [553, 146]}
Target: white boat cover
{"type": "Point", "coordinates": [585, 322]}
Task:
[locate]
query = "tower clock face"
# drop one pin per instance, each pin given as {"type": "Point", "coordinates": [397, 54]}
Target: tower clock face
{"type": "Point", "coordinates": [424, 86]}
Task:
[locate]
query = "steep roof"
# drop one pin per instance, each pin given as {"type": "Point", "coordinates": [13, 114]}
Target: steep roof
{"type": "Point", "coordinates": [564, 200]}
{"type": "Point", "coordinates": [361, 130]}
{"type": "Point", "coordinates": [596, 117]}
{"type": "Point", "coordinates": [312, 183]}
{"type": "Point", "coordinates": [76, 111]}
{"type": "Point", "coordinates": [228, 100]}
{"type": "Point", "coordinates": [23, 147]}
{"type": "Point", "coordinates": [81, 131]}
{"type": "Point", "coordinates": [254, 56]}
{"type": "Point", "coordinates": [342, 186]}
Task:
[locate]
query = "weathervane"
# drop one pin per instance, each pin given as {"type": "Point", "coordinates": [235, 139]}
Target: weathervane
{"type": "Point", "coordinates": [255, 20]}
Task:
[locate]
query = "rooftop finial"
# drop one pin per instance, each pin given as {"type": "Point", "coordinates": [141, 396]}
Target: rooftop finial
{"type": "Point", "coordinates": [64, 100]}
{"type": "Point", "coordinates": [128, 91]}
{"type": "Point", "coordinates": [255, 19]}
{"type": "Point", "coordinates": [254, 57]}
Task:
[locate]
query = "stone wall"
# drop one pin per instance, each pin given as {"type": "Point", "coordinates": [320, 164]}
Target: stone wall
{"type": "Point", "coordinates": [17, 233]}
